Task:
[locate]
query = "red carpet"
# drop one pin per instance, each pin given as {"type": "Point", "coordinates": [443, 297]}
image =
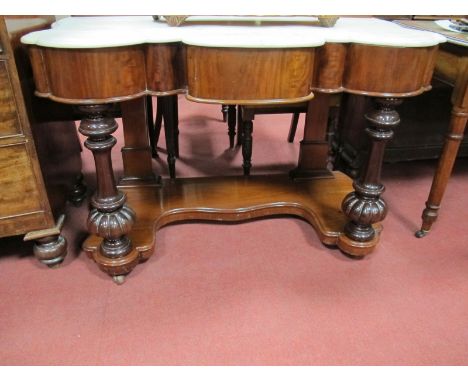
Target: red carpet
{"type": "Point", "coordinates": [259, 293]}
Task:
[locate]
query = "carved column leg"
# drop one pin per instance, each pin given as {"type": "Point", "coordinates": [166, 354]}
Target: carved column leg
{"type": "Point", "coordinates": [110, 218]}
{"type": "Point", "coordinates": [364, 207]}
{"type": "Point", "coordinates": [231, 117]}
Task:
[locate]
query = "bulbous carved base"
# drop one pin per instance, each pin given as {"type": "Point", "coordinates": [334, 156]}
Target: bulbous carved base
{"type": "Point", "coordinates": [362, 212]}
{"type": "Point", "coordinates": [113, 227]}
{"type": "Point", "coordinates": [51, 250]}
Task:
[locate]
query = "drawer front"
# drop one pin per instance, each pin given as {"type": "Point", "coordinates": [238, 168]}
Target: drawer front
{"type": "Point", "coordinates": [19, 193]}
{"type": "Point", "coordinates": [9, 122]}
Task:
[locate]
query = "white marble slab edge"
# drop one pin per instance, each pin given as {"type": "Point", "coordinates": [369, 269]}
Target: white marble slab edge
{"type": "Point", "coordinates": [109, 31]}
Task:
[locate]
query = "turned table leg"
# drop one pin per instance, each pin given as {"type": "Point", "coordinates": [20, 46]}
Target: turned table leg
{"type": "Point", "coordinates": [110, 218]}
{"type": "Point", "coordinates": [365, 207]}
{"type": "Point", "coordinates": [449, 152]}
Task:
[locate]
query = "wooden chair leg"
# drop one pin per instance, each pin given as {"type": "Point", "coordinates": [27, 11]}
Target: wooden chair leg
{"type": "Point", "coordinates": [175, 108]}
{"type": "Point", "coordinates": [247, 128]}
{"type": "Point", "coordinates": [240, 131]}
{"type": "Point", "coordinates": [293, 128]}
{"type": "Point", "coordinates": [224, 110]}
{"type": "Point", "coordinates": [167, 106]}
{"type": "Point", "coordinates": [151, 128]}
{"type": "Point", "coordinates": [231, 124]}
{"type": "Point", "coordinates": [453, 139]}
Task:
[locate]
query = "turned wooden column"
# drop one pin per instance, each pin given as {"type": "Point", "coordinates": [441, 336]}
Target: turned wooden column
{"type": "Point", "coordinates": [109, 218]}
{"type": "Point", "coordinates": [365, 207]}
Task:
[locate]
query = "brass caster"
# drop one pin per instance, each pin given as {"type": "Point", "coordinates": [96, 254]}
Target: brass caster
{"type": "Point", "coordinates": [54, 266]}
{"type": "Point", "coordinates": [421, 233]}
{"type": "Point", "coordinates": [119, 280]}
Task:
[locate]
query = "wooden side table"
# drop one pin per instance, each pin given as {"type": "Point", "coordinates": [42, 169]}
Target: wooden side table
{"type": "Point", "coordinates": [452, 68]}
{"type": "Point", "coordinates": [78, 65]}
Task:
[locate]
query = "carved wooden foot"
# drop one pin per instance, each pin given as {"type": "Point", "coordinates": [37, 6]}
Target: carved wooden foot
{"type": "Point", "coordinates": [78, 193]}
{"type": "Point", "coordinates": [429, 216]}
{"type": "Point", "coordinates": [51, 250]}
{"type": "Point", "coordinates": [110, 218]}
{"type": "Point", "coordinates": [231, 124]}
{"type": "Point", "coordinates": [50, 246]}
{"type": "Point", "coordinates": [364, 207]}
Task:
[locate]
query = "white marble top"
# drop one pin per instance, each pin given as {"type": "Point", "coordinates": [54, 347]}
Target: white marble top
{"type": "Point", "coordinates": [112, 31]}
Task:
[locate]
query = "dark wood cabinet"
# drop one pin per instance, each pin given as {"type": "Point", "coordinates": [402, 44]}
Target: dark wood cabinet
{"type": "Point", "coordinates": [33, 191]}
{"type": "Point", "coordinates": [420, 135]}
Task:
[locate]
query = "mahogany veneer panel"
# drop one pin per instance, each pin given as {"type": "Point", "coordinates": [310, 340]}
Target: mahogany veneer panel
{"type": "Point", "coordinates": [95, 73]}
{"type": "Point", "coordinates": [19, 192]}
{"type": "Point", "coordinates": [247, 74]}
{"type": "Point", "coordinates": [9, 124]}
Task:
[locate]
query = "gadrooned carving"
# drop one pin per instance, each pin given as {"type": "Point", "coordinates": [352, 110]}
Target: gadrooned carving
{"type": "Point", "coordinates": [362, 210]}
{"type": "Point", "coordinates": [111, 225]}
